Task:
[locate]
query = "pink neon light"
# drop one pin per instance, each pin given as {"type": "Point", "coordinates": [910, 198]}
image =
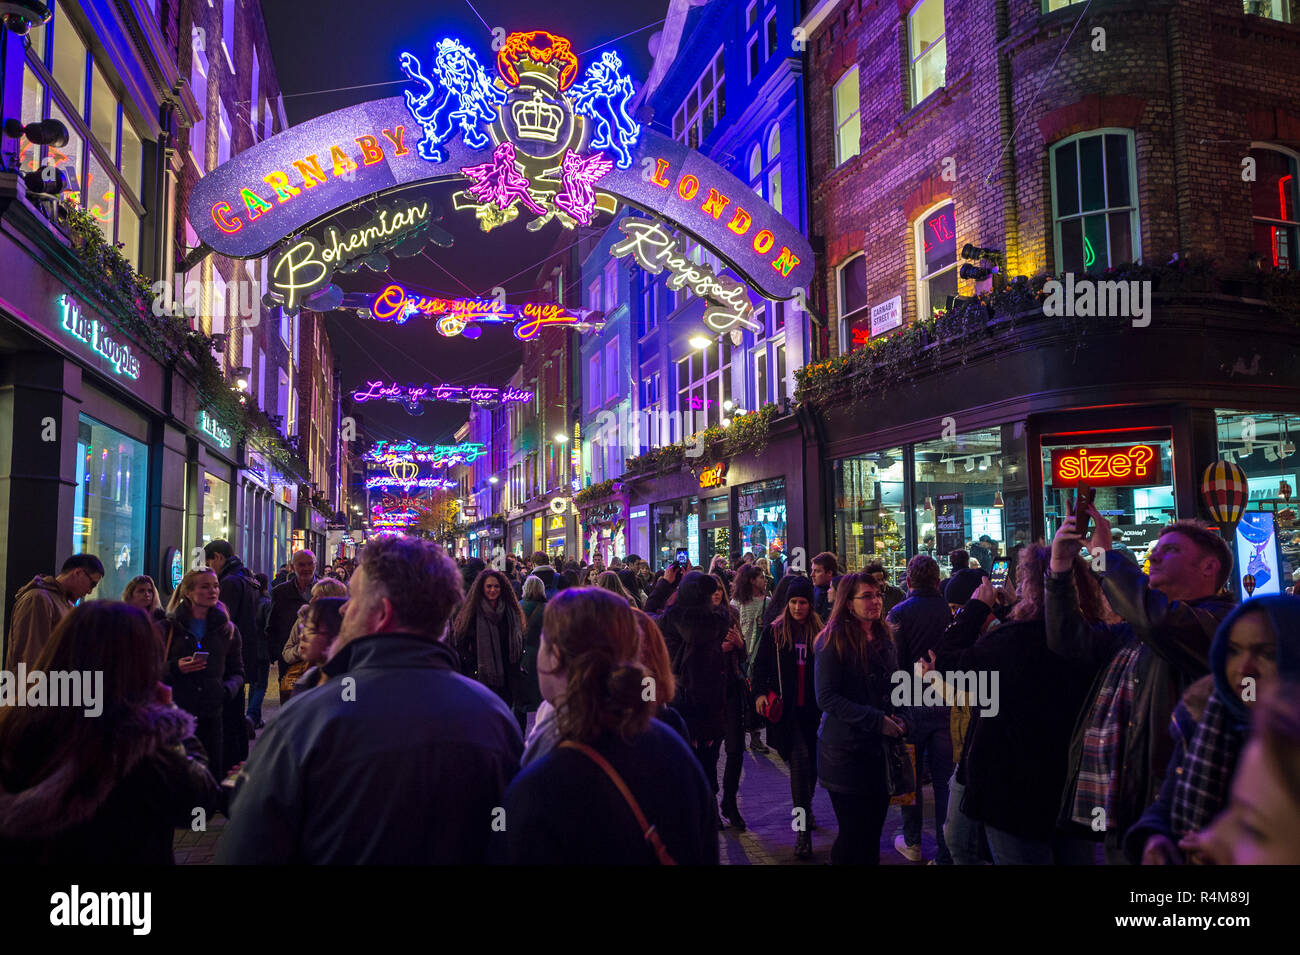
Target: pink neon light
{"type": "Point", "coordinates": [577, 176]}
{"type": "Point", "coordinates": [499, 182]}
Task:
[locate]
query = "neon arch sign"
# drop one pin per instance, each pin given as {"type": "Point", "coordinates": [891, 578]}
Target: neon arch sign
{"type": "Point", "coordinates": [573, 153]}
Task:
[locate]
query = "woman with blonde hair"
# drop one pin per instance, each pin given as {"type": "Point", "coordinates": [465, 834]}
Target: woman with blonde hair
{"type": "Point", "coordinates": [143, 593]}
{"type": "Point", "coordinates": [293, 647]}
{"type": "Point", "coordinates": [203, 658]}
{"type": "Point", "coordinates": [620, 788]}
{"type": "Point", "coordinates": [488, 633]}
{"type": "Point", "coordinates": [609, 580]}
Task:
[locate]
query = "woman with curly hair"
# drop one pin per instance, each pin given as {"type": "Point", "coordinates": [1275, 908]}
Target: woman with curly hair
{"type": "Point", "coordinates": [620, 788]}
{"type": "Point", "coordinates": [488, 633]}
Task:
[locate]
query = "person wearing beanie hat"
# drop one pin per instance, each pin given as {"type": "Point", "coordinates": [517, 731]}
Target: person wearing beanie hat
{"type": "Point", "coordinates": [961, 586]}
{"type": "Point", "coordinates": [784, 693]}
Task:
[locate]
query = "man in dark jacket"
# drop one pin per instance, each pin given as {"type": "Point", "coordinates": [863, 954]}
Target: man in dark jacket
{"type": "Point", "coordinates": [396, 759]}
{"type": "Point", "coordinates": [286, 599]}
{"type": "Point", "coordinates": [825, 568]}
{"type": "Point", "coordinates": [919, 623]}
{"type": "Point", "coordinates": [239, 595]}
{"type": "Point", "coordinates": [1121, 743]}
{"type": "Point", "coordinates": [542, 568]}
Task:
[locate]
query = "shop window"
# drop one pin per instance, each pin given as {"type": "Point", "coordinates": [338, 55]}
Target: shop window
{"type": "Point", "coordinates": [1132, 481]}
{"type": "Point", "coordinates": [936, 253]}
{"type": "Point", "coordinates": [870, 517]}
{"type": "Point", "coordinates": [1263, 444]}
{"type": "Point", "coordinates": [960, 500]}
{"type": "Point", "coordinates": [68, 63]}
{"type": "Point", "coordinates": [110, 503]}
{"type": "Point", "coordinates": [760, 378]}
{"type": "Point", "coordinates": [103, 112]}
{"type": "Point", "coordinates": [848, 120]}
{"type": "Point", "coordinates": [760, 517]}
{"type": "Point", "coordinates": [100, 194]}
{"type": "Point", "coordinates": [132, 164]}
{"type": "Point", "coordinates": [1094, 201]}
{"type": "Point", "coordinates": [128, 234]}
{"type": "Point", "coordinates": [33, 111]}
{"type": "Point", "coordinates": [1274, 210]}
{"type": "Point", "coordinates": [68, 158]}
{"type": "Point", "coordinates": [927, 48]}
{"type": "Point", "coordinates": [676, 528]}
{"type": "Point", "coordinates": [1050, 5]}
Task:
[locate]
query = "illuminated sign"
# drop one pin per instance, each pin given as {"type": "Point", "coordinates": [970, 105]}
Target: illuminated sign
{"type": "Point", "coordinates": [408, 452]}
{"type": "Point", "coordinates": [212, 428]}
{"type": "Point", "coordinates": [382, 481]}
{"type": "Point", "coordinates": [559, 505]}
{"type": "Point", "coordinates": [1108, 467]}
{"type": "Point", "coordinates": [537, 136]}
{"type": "Point", "coordinates": [575, 458]}
{"type": "Point", "coordinates": [414, 394]}
{"type": "Point", "coordinates": [99, 337]}
{"type": "Point", "coordinates": [305, 265]}
{"type": "Point", "coordinates": [458, 316]}
{"type": "Point", "coordinates": [649, 243]}
{"type": "Point", "coordinates": [715, 476]}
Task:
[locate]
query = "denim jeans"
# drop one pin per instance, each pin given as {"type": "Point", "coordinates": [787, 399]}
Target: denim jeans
{"type": "Point", "coordinates": [928, 731]}
{"type": "Point", "coordinates": [1010, 849]}
{"type": "Point", "coordinates": [257, 689]}
{"type": "Point", "coordinates": [963, 835]}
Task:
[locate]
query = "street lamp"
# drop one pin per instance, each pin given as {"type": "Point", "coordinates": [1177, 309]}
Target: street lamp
{"type": "Point", "coordinates": [494, 480]}
{"type": "Point", "coordinates": [699, 341]}
{"type": "Point", "coordinates": [561, 438]}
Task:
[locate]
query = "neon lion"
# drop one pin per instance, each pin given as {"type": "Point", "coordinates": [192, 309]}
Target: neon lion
{"type": "Point", "coordinates": [603, 95]}
{"type": "Point", "coordinates": [471, 99]}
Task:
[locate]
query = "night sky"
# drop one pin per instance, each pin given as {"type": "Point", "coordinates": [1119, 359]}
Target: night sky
{"type": "Point", "coordinates": [319, 49]}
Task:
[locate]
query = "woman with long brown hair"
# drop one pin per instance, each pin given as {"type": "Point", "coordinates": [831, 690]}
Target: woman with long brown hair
{"type": "Point", "coordinates": [854, 661]}
{"type": "Point", "coordinates": [204, 663]}
{"type": "Point", "coordinates": [108, 784]}
{"type": "Point", "coordinates": [488, 633]}
{"type": "Point", "coordinates": [620, 788]}
{"type": "Point", "coordinates": [143, 593]}
{"type": "Point", "coordinates": [785, 695]}
{"type": "Point", "coordinates": [737, 716]}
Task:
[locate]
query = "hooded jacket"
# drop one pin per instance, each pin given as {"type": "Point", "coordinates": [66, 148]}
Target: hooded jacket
{"type": "Point", "coordinates": [38, 608]}
{"type": "Point", "coordinates": [1284, 614]}
{"type": "Point", "coordinates": [1175, 641]}
{"type": "Point", "coordinates": [396, 760]}
{"type": "Point", "coordinates": [127, 818]}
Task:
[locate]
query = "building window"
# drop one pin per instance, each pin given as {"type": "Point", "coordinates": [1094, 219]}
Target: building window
{"type": "Point", "coordinates": [760, 377]}
{"type": "Point", "coordinates": [780, 383]}
{"type": "Point", "coordinates": [1051, 5]}
{"type": "Point", "coordinates": [771, 34]}
{"type": "Point", "coordinates": [611, 369]}
{"type": "Point", "coordinates": [704, 105]}
{"type": "Point", "coordinates": [593, 294]}
{"type": "Point", "coordinates": [751, 14]}
{"type": "Point", "coordinates": [1094, 201]}
{"type": "Point", "coordinates": [1263, 445]}
{"type": "Point", "coordinates": [936, 254]}
{"type": "Point", "coordinates": [752, 59]}
{"type": "Point", "coordinates": [223, 137]}
{"type": "Point", "coordinates": [648, 318]}
{"type": "Point", "coordinates": [593, 382]}
{"type": "Point", "coordinates": [870, 512]}
{"type": "Point", "coordinates": [928, 48]}
{"type": "Point", "coordinates": [228, 32]}
{"type": "Point", "coordinates": [756, 169]}
{"type": "Point", "coordinates": [853, 301]}
{"type": "Point", "coordinates": [1273, 208]}
{"type": "Point", "coordinates": [1283, 10]}
{"type": "Point", "coordinates": [848, 121]}
{"type": "Point", "coordinates": [611, 286]}
{"type": "Point", "coordinates": [774, 168]}
{"type": "Point", "coordinates": [111, 502]}
{"type": "Point", "coordinates": [199, 131]}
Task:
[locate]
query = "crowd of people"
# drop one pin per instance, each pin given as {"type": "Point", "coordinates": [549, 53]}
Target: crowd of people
{"type": "Point", "coordinates": [542, 710]}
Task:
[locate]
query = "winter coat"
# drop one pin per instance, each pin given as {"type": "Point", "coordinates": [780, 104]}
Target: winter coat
{"type": "Point", "coordinates": [564, 810]}
{"type": "Point", "coordinates": [160, 777]}
{"type": "Point", "coordinates": [239, 595]}
{"type": "Point", "coordinates": [204, 693]}
{"type": "Point", "coordinates": [396, 760]}
{"type": "Point", "coordinates": [285, 601]}
{"type": "Point", "coordinates": [657, 599]}
{"type": "Point", "coordinates": [1284, 614]}
{"type": "Point", "coordinates": [1017, 757]}
{"type": "Point", "coordinates": [785, 683]}
{"type": "Point", "coordinates": [546, 573]}
{"type": "Point", "coordinates": [694, 639]}
{"type": "Point", "coordinates": [855, 700]}
{"type": "Point", "coordinates": [39, 607]}
{"type": "Point", "coordinates": [530, 695]}
{"type": "Point", "coordinates": [1174, 638]}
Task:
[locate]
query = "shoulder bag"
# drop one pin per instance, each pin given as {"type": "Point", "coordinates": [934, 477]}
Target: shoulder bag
{"type": "Point", "coordinates": [900, 771]}
{"type": "Point", "coordinates": [648, 831]}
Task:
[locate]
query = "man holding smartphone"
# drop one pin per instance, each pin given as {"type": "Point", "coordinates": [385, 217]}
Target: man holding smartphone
{"type": "Point", "coordinates": [1142, 666]}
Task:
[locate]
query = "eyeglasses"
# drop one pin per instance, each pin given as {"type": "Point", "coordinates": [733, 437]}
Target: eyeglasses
{"type": "Point", "coordinates": [91, 579]}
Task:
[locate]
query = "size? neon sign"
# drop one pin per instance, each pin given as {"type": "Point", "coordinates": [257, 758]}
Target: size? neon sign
{"type": "Point", "coordinates": [1108, 467]}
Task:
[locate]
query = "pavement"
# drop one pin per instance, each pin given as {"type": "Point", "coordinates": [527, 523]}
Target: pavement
{"type": "Point", "coordinates": [764, 802]}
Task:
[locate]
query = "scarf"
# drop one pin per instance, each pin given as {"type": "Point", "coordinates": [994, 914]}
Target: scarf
{"type": "Point", "coordinates": [487, 624]}
{"type": "Point", "coordinates": [1201, 789]}
{"type": "Point", "coordinates": [1104, 737]}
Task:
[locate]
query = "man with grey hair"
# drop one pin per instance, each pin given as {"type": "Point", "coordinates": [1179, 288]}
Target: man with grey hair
{"type": "Point", "coordinates": [396, 759]}
{"type": "Point", "coordinates": [286, 599]}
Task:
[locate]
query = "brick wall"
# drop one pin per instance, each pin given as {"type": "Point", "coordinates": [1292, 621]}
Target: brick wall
{"type": "Point", "coordinates": [1196, 80]}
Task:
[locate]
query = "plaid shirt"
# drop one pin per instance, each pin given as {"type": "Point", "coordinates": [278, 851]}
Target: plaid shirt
{"type": "Point", "coordinates": [1103, 740]}
{"type": "Point", "coordinates": [1201, 789]}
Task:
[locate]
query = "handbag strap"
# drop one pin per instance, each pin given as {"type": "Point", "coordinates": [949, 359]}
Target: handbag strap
{"type": "Point", "coordinates": [171, 629]}
{"type": "Point", "coordinates": [776, 652]}
{"type": "Point", "coordinates": [648, 831]}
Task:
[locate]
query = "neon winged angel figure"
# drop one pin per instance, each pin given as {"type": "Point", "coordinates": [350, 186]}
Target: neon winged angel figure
{"type": "Point", "coordinates": [578, 176]}
{"type": "Point", "coordinates": [603, 95]}
{"type": "Point", "coordinates": [470, 101]}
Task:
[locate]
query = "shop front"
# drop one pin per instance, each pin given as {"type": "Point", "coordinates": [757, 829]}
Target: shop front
{"type": "Point", "coordinates": [605, 530]}
{"type": "Point", "coordinates": [930, 471]}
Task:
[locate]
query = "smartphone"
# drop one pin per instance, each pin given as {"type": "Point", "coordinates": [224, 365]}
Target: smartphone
{"type": "Point", "coordinates": [683, 556]}
{"type": "Point", "coordinates": [999, 574]}
{"type": "Point", "coordinates": [1082, 518]}
{"type": "Point", "coordinates": [201, 656]}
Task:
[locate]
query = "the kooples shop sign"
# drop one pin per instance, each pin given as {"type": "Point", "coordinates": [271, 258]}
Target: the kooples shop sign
{"type": "Point", "coordinates": [278, 188]}
{"type": "Point", "coordinates": [102, 339]}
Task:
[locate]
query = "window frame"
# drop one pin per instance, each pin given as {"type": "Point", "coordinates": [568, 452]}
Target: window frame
{"type": "Point", "coordinates": [839, 124]}
{"type": "Point", "coordinates": [1292, 224]}
{"type": "Point", "coordinates": [924, 307]}
{"type": "Point", "coordinates": [1135, 220]}
{"type": "Point", "coordinates": [685, 120]}
{"type": "Point", "coordinates": [914, 62]}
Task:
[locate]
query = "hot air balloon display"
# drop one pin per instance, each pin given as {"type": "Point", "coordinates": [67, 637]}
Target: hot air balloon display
{"type": "Point", "coordinates": [1225, 490]}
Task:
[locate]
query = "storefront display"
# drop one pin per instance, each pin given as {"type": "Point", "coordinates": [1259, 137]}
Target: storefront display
{"type": "Point", "coordinates": [1261, 444]}
{"type": "Point", "coordinates": [870, 515]}
{"type": "Point", "coordinates": [676, 526]}
{"type": "Point", "coordinates": [111, 503]}
{"type": "Point", "coordinates": [760, 517]}
{"type": "Point", "coordinates": [216, 509]}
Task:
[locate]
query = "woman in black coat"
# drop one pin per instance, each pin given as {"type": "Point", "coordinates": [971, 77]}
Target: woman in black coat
{"type": "Point", "coordinates": [694, 631]}
{"type": "Point", "coordinates": [783, 678]}
{"type": "Point", "coordinates": [533, 606]}
{"type": "Point", "coordinates": [108, 784]}
{"type": "Point", "coordinates": [855, 659]}
{"type": "Point", "coordinates": [489, 635]}
{"type": "Point", "coordinates": [203, 653]}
